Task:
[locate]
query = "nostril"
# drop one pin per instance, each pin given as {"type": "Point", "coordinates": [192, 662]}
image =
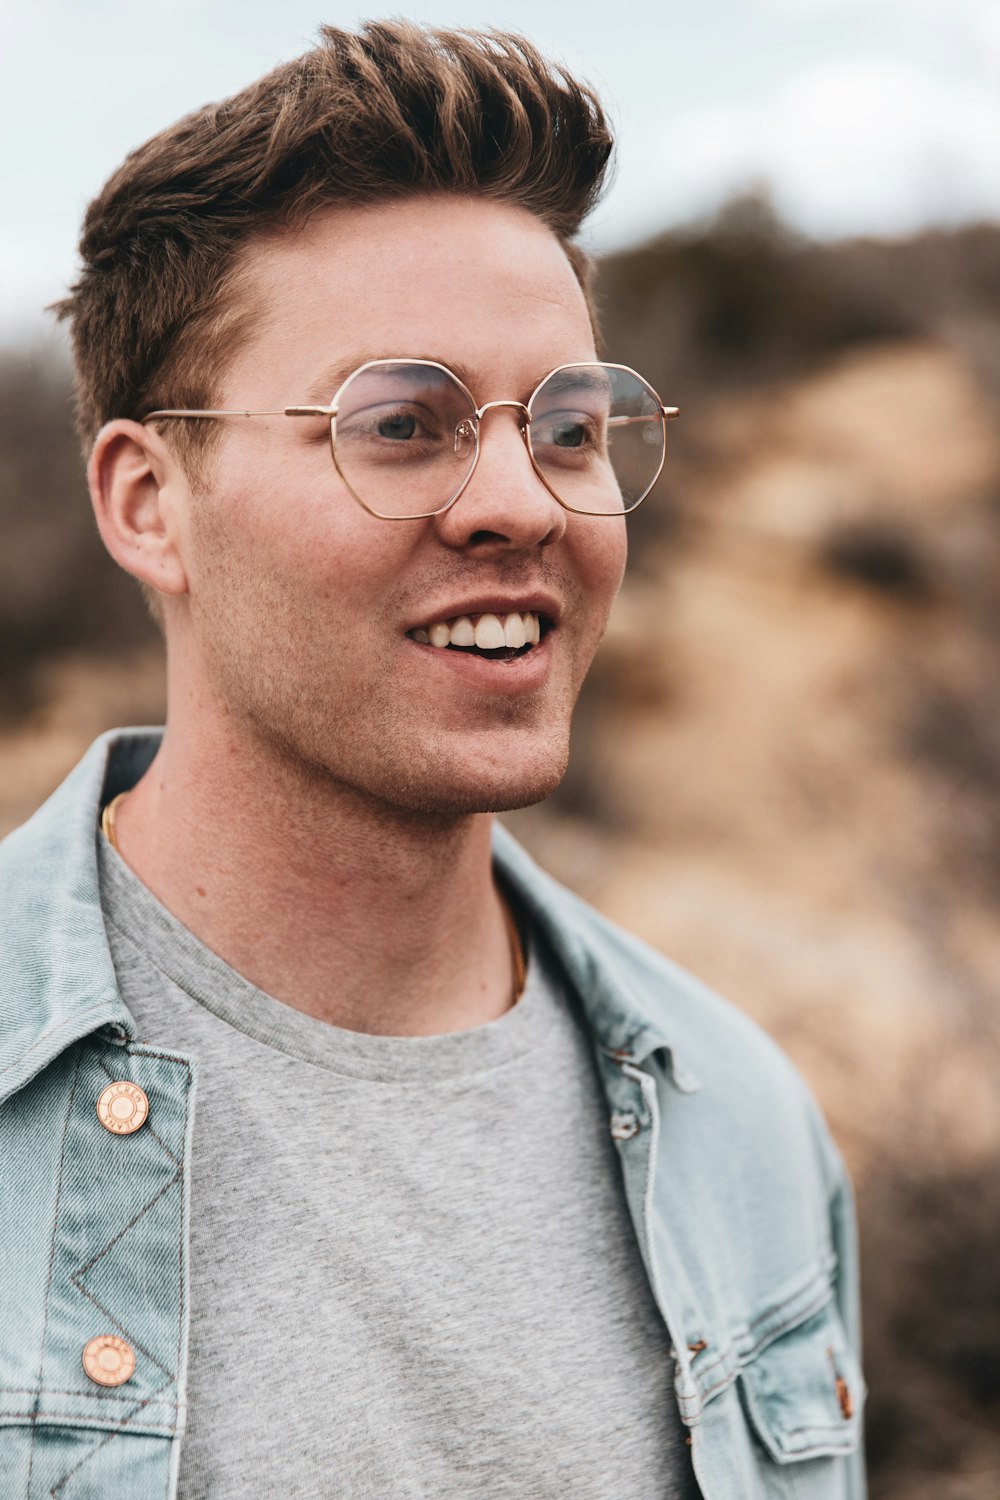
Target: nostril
{"type": "Point", "coordinates": [485, 537]}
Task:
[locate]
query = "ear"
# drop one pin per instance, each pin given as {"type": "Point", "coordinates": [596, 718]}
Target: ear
{"type": "Point", "coordinates": [137, 489]}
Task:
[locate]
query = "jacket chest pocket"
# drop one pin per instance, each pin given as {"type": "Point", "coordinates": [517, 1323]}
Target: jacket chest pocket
{"type": "Point", "coordinates": [803, 1397]}
{"type": "Point", "coordinates": [784, 1421]}
{"type": "Point", "coordinates": [94, 1311]}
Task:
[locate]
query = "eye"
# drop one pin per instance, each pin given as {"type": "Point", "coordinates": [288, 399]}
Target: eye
{"type": "Point", "coordinates": [389, 425]}
{"type": "Point", "coordinates": [568, 434]}
{"type": "Point", "coordinates": [398, 426]}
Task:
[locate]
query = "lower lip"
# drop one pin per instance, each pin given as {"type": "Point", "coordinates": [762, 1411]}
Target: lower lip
{"type": "Point", "coordinates": [509, 679]}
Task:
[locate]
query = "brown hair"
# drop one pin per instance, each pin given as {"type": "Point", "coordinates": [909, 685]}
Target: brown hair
{"type": "Point", "coordinates": [392, 110]}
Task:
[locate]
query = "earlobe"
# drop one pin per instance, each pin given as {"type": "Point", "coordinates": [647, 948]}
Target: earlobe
{"type": "Point", "coordinates": [135, 486]}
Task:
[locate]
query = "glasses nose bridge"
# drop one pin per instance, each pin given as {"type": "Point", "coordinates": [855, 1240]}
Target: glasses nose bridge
{"type": "Point", "coordinates": [476, 422]}
{"type": "Point", "coordinates": [492, 405]}
{"type": "Point", "coordinates": [524, 419]}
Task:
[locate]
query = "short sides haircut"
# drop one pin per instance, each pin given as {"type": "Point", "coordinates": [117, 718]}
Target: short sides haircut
{"type": "Point", "coordinates": [390, 111]}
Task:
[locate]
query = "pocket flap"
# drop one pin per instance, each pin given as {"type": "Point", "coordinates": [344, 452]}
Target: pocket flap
{"type": "Point", "coordinates": [804, 1392]}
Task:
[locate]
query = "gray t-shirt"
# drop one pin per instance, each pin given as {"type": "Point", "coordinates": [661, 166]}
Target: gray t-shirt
{"type": "Point", "coordinates": [413, 1273]}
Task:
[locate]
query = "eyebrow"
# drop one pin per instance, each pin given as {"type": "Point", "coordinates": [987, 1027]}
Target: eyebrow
{"type": "Point", "coordinates": [324, 388]}
{"type": "Point", "coordinates": [575, 379]}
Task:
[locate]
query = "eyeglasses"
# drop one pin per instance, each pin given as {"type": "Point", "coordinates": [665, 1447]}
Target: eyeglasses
{"type": "Point", "coordinates": [405, 436]}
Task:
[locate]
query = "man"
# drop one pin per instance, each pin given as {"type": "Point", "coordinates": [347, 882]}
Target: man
{"type": "Point", "coordinates": [345, 1153]}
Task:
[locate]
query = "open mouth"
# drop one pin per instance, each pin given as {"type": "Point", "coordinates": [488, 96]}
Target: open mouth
{"type": "Point", "coordinates": [494, 637]}
{"type": "Point", "coordinates": [494, 653]}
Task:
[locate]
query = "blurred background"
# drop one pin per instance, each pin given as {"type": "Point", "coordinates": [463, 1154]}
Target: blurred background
{"type": "Point", "coordinates": [786, 766]}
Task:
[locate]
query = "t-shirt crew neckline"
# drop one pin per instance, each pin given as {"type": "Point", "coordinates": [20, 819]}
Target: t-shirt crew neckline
{"type": "Point", "coordinates": [164, 941]}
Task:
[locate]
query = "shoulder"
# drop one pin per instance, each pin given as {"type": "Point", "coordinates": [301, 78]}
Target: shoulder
{"type": "Point", "coordinates": [55, 965]}
{"type": "Point", "coordinates": [637, 999]}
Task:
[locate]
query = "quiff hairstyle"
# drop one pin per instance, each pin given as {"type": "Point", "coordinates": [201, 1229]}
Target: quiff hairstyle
{"type": "Point", "coordinates": [392, 110]}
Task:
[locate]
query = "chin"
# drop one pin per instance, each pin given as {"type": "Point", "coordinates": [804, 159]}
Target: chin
{"type": "Point", "coordinates": [439, 777]}
{"type": "Point", "coordinates": [458, 792]}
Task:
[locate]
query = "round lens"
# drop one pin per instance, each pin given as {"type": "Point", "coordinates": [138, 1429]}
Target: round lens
{"type": "Point", "coordinates": [404, 437]}
{"type": "Point", "coordinates": [597, 434]}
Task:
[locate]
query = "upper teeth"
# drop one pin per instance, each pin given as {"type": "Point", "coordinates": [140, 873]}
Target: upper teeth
{"type": "Point", "coordinates": [488, 632]}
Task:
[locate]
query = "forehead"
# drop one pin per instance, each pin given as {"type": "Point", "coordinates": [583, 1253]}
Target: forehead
{"type": "Point", "coordinates": [463, 280]}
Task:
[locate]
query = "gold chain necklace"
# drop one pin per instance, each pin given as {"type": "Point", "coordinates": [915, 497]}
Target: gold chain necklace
{"type": "Point", "coordinates": [513, 936]}
{"type": "Point", "coordinates": [516, 949]}
{"type": "Point", "coordinates": [108, 820]}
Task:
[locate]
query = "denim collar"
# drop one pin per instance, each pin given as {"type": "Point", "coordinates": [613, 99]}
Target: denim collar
{"type": "Point", "coordinates": [59, 979]}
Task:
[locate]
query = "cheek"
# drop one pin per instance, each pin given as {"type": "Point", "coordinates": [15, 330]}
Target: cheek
{"type": "Point", "coordinates": [254, 511]}
{"type": "Point", "coordinates": [242, 565]}
{"type": "Point", "coordinates": [618, 552]}
{"type": "Point", "coordinates": [263, 546]}
{"type": "Point", "coordinates": [604, 551]}
{"type": "Point", "coordinates": [599, 564]}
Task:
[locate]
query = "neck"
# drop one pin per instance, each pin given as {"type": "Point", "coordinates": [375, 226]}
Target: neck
{"type": "Point", "coordinates": [366, 917]}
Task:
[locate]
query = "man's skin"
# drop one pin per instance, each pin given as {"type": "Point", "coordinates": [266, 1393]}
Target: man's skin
{"type": "Point", "coordinates": [319, 812]}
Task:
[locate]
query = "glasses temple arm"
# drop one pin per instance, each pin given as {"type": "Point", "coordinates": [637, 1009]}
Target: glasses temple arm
{"type": "Point", "coordinates": [196, 415]}
{"type": "Point", "coordinates": [669, 413]}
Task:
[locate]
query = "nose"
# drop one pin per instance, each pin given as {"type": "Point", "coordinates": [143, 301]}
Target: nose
{"type": "Point", "coordinates": [505, 506]}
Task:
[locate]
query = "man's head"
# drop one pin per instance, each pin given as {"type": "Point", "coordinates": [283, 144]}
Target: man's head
{"type": "Point", "coordinates": [391, 111]}
{"type": "Point", "coordinates": [402, 193]}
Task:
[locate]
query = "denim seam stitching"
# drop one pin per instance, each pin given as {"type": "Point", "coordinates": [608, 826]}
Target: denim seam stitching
{"type": "Point", "coordinates": [52, 1257]}
{"type": "Point", "coordinates": [51, 1390]}
{"type": "Point", "coordinates": [798, 1441]}
{"type": "Point", "coordinates": [113, 1241]}
{"type": "Point", "coordinates": [88, 1423]}
{"type": "Point", "coordinates": [181, 1247]}
{"type": "Point", "coordinates": [115, 1432]}
{"type": "Point", "coordinates": [776, 1325]}
{"type": "Point", "coordinates": [82, 1271]}
{"type": "Point", "coordinates": [735, 1358]}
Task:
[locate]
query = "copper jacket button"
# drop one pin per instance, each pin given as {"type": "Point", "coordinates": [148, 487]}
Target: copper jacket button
{"type": "Point", "coordinates": [108, 1360]}
{"type": "Point", "coordinates": [122, 1108]}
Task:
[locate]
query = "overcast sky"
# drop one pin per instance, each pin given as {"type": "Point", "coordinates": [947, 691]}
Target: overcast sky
{"type": "Point", "coordinates": [863, 116]}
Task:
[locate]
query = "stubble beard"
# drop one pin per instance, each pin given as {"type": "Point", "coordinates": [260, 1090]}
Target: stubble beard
{"type": "Point", "coordinates": [366, 742]}
{"type": "Point", "coordinates": [361, 748]}
{"type": "Point", "coordinates": [395, 774]}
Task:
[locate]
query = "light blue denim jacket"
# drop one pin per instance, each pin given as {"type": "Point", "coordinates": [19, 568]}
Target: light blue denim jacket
{"type": "Point", "coordinates": [740, 1202]}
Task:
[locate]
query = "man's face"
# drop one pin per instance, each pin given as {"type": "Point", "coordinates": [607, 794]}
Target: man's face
{"type": "Point", "coordinates": [302, 607]}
